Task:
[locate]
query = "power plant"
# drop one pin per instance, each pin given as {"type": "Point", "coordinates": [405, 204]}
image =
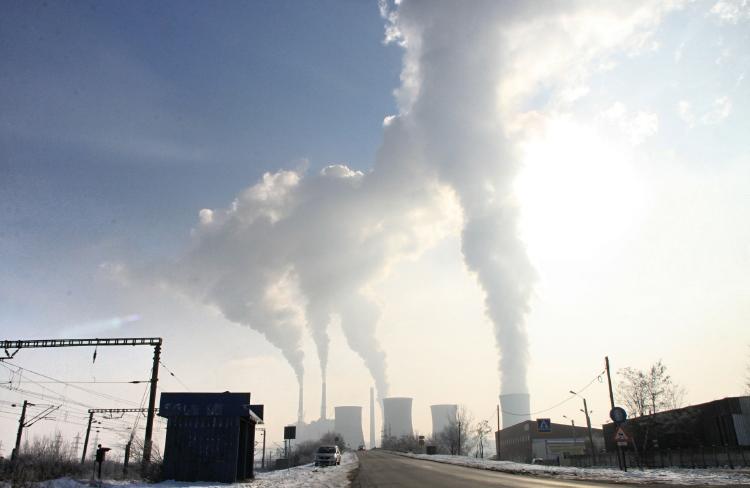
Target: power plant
{"type": "Point", "coordinates": [397, 417]}
{"type": "Point", "coordinates": [442, 416]}
{"type": "Point", "coordinates": [515, 408]}
{"type": "Point", "coordinates": [348, 423]}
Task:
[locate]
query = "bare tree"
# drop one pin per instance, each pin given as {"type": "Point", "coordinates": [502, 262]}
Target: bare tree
{"type": "Point", "coordinates": [648, 392]}
{"type": "Point", "coordinates": [456, 437]}
{"type": "Point", "coordinates": [481, 429]}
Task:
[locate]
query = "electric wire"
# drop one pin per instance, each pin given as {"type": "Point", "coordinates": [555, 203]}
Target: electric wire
{"type": "Point", "coordinates": [581, 390]}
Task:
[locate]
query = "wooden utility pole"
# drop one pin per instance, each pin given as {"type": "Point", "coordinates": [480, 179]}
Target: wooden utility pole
{"type": "Point", "coordinates": [86, 439]}
{"type": "Point", "coordinates": [591, 436]}
{"type": "Point", "coordinates": [21, 423]}
{"type": "Point", "coordinates": [151, 406]}
{"type": "Point", "coordinates": [620, 454]}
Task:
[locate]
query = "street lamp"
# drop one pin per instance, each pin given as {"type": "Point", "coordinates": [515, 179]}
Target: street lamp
{"type": "Point", "coordinates": [588, 424]}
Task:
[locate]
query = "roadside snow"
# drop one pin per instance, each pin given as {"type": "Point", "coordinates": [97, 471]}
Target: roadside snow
{"type": "Point", "coordinates": [662, 476]}
{"type": "Point", "coordinates": [308, 475]}
{"type": "Point", "coordinates": [300, 476]}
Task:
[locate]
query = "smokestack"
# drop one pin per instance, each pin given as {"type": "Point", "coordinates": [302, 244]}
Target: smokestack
{"type": "Point", "coordinates": [348, 423]}
{"type": "Point", "coordinates": [442, 416]}
{"type": "Point", "coordinates": [372, 418]}
{"type": "Point", "coordinates": [397, 417]}
{"type": "Point", "coordinates": [323, 403]}
{"type": "Point", "coordinates": [515, 408]}
{"type": "Point", "coordinates": [300, 416]}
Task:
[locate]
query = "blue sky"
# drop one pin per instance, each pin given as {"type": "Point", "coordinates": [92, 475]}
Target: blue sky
{"type": "Point", "coordinates": [120, 122]}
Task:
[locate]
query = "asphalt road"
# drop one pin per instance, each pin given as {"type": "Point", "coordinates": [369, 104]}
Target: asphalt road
{"type": "Point", "coordinates": [378, 469]}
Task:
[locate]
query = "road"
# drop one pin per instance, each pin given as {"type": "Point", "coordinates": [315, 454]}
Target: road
{"type": "Point", "coordinates": [378, 469]}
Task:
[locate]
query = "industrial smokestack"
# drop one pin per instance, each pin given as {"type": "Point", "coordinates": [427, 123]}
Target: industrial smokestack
{"type": "Point", "coordinates": [300, 413]}
{"type": "Point", "coordinates": [397, 417]}
{"type": "Point", "coordinates": [348, 423]}
{"type": "Point", "coordinates": [442, 416]}
{"type": "Point", "coordinates": [515, 408]}
{"type": "Point", "coordinates": [372, 418]}
{"type": "Point", "coordinates": [323, 403]}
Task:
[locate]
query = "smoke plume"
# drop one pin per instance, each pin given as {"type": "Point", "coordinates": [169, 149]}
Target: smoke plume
{"type": "Point", "coordinates": [298, 247]}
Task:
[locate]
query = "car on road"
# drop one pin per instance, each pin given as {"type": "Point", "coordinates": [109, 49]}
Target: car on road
{"type": "Point", "coordinates": [327, 456]}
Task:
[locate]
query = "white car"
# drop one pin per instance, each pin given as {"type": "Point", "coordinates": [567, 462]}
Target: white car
{"type": "Point", "coordinates": [327, 456]}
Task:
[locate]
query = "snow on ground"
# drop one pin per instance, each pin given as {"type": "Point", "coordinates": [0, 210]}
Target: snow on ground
{"type": "Point", "coordinates": [300, 476]}
{"type": "Point", "coordinates": [308, 475]}
{"type": "Point", "coordinates": [664, 476]}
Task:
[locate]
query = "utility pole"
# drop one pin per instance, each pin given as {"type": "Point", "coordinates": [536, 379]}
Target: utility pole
{"type": "Point", "coordinates": [86, 439]}
{"type": "Point", "coordinates": [151, 406]}
{"type": "Point", "coordinates": [21, 422]}
{"type": "Point", "coordinates": [620, 454]}
{"type": "Point", "coordinates": [498, 417]}
{"type": "Point", "coordinates": [591, 436]}
{"type": "Point", "coordinates": [263, 456]}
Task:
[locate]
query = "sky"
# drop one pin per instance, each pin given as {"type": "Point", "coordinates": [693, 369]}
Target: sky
{"type": "Point", "coordinates": [445, 201]}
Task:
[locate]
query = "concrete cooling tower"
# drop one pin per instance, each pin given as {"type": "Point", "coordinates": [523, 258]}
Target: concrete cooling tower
{"type": "Point", "coordinates": [397, 417]}
{"type": "Point", "coordinates": [515, 408]}
{"type": "Point", "coordinates": [442, 415]}
{"type": "Point", "coordinates": [348, 423]}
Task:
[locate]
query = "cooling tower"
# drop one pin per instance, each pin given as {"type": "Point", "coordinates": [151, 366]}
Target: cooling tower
{"type": "Point", "coordinates": [442, 416]}
{"type": "Point", "coordinates": [348, 423]}
{"type": "Point", "coordinates": [372, 418]}
{"type": "Point", "coordinates": [515, 408]}
{"type": "Point", "coordinates": [323, 403]}
{"type": "Point", "coordinates": [397, 417]}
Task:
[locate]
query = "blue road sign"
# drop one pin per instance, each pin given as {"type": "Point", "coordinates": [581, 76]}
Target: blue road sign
{"type": "Point", "coordinates": [618, 415]}
{"type": "Point", "coordinates": [543, 425]}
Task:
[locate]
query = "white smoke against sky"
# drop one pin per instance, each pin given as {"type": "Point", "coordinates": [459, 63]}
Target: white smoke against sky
{"type": "Point", "coordinates": [298, 247]}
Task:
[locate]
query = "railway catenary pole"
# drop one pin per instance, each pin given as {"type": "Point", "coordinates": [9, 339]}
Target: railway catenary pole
{"type": "Point", "coordinates": [8, 345]}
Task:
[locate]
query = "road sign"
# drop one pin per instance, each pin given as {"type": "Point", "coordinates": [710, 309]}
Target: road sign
{"type": "Point", "coordinates": [618, 415]}
{"type": "Point", "coordinates": [621, 437]}
{"type": "Point", "coordinates": [290, 432]}
{"type": "Point", "coordinates": [543, 425]}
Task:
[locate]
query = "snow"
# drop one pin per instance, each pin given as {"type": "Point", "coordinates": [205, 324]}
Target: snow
{"type": "Point", "coordinates": [299, 476]}
{"type": "Point", "coordinates": [633, 476]}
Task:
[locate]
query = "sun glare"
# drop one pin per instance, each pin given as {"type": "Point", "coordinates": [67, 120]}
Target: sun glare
{"type": "Point", "coordinates": [578, 194]}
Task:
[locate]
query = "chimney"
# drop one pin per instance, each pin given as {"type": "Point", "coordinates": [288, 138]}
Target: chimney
{"type": "Point", "coordinates": [300, 415]}
{"type": "Point", "coordinates": [323, 403]}
{"type": "Point", "coordinates": [372, 418]}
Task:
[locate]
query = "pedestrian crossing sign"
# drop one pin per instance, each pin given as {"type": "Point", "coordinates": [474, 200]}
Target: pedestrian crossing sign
{"type": "Point", "coordinates": [543, 425]}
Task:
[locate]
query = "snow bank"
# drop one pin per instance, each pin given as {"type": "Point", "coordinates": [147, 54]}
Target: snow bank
{"type": "Point", "coordinates": [300, 476]}
{"type": "Point", "coordinates": [633, 476]}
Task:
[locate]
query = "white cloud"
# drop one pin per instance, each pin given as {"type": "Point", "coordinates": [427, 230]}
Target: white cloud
{"type": "Point", "coordinates": [732, 11]}
{"type": "Point", "coordinates": [637, 127]}
{"type": "Point", "coordinates": [716, 113]}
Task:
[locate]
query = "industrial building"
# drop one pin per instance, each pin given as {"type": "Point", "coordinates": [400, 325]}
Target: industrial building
{"type": "Point", "coordinates": [724, 422]}
{"type": "Point", "coordinates": [442, 416]}
{"type": "Point", "coordinates": [528, 440]}
{"type": "Point", "coordinates": [397, 417]}
{"type": "Point", "coordinates": [210, 436]}
{"type": "Point", "coordinates": [348, 424]}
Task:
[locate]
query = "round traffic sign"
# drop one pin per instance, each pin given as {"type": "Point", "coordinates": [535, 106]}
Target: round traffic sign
{"type": "Point", "coordinates": [618, 415]}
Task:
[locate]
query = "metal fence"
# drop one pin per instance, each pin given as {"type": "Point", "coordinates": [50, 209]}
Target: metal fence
{"type": "Point", "coordinates": [697, 458]}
